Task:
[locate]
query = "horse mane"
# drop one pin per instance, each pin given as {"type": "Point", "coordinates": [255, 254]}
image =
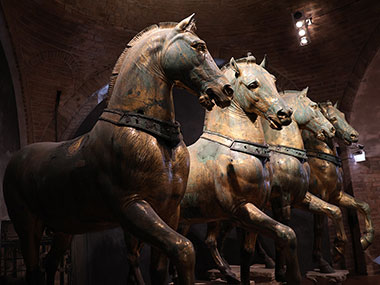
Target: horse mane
{"type": "Point", "coordinates": [134, 40]}
{"type": "Point", "coordinates": [248, 59]}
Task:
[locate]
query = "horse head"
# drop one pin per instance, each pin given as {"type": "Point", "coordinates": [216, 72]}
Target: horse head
{"type": "Point", "coordinates": [308, 116]}
{"type": "Point", "coordinates": [344, 130]}
{"type": "Point", "coordinates": [255, 91]}
{"type": "Point", "coordinates": [186, 61]}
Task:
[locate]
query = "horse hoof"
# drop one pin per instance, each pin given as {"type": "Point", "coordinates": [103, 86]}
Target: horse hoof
{"type": "Point", "coordinates": [269, 263]}
{"type": "Point", "coordinates": [326, 268]}
{"type": "Point", "coordinates": [231, 278]}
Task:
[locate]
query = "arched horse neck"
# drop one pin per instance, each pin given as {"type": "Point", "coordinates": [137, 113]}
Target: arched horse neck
{"type": "Point", "coordinates": [312, 143]}
{"type": "Point", "coordinates": [233, 122]}
{"type": "Point", "coordinates": [290, 135]}
{"type": "Point", "coordinates": [140, 84]}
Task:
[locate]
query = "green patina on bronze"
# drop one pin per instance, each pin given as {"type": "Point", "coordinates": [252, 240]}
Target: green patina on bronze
{"type": "Point", "coordinates": [326, 178]}
{"type": "Point", "coordinates": [291, 174]}
{"type": "Point", "coordinates": [117, 175]}
{"type": "Point", "coordinates": [232, 184]}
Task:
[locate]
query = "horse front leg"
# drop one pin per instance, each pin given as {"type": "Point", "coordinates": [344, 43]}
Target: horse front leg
{"type": "Point", "coordinates": [139, 218]}
{"type": "Point", "coordinates": [318, 206]}
{"type": "Point", "coordinates": [323, 265]}
{"type": "Point", "coordinates": [213, 230]}
{"type": "Point", "coordinates": [252, 219]}
{"type": "Point", "coordinates": [134, 247]}
{"type": "Point", "coordinates": [350, 202]}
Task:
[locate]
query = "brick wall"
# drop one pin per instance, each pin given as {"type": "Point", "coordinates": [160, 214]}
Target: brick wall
{"type": "Point", "coordinates": [366, 184]}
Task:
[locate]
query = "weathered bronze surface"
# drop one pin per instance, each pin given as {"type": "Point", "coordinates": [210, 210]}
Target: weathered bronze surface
{"type": "Point", "coordinates": [225, 184]}
{"type": "Point", "coordinates": [326, 179]}
{"type": "Point", "coordinates": [118, 175]}
{"type": "Point", "coordinates": [290, 176]}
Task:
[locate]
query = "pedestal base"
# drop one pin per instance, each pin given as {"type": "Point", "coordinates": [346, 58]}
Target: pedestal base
{"type": "Point", "coordinates": [258, 273]}
{"type": "Point", "coordinates": [338, 277]}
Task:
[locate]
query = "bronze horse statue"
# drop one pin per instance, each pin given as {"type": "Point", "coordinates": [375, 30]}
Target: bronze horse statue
{"type": "Point", "coordinates": [291, 171]}
{"type": "Point", "coordinates": [289, 178]}
{"type": "Point", "coordinates": [326, 178]}
{"type": "Point", "coordinates": [131, 169]}
{"type": "Point", "coordinates": [228, 176]}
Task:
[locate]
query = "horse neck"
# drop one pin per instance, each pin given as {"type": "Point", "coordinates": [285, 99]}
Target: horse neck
{"type": "Point", "coordinates": [289, 136]}
{"type": "Point", "coordinates": [141, 85]}
{"type": "Point", "coordinates": [233, 122]}
{"type": "Point", "coordinates": [312, 143]}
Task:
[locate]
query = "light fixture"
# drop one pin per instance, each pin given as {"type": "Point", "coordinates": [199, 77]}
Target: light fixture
{"type": "Point", "coordinates": [301, 23]}
{"type": "Point", "coordinates": [304, 41]}
{"type": "Point", "coordinates": [357, 152]}
{"type": "Point", "coordinates": [301, 32]}
{"type": "Point", "coordinates": [359, 156]}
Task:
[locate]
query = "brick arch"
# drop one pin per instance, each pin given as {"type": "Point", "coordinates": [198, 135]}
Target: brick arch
{"type": "Point", "coordinates": [88, 103]}
{"type": "Point", "coordinates": [364, 59]}
{"type": "Point", "coordinates": [67, 58]}
{"type": "Point", "coordinates": [47, 73]}
{"type": "Point", "coordinates": [13, 65]}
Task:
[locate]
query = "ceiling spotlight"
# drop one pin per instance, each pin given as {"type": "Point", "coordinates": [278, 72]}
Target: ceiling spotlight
{"type": "Point", "coordinates": [302, 32]}
{"type": "Point", "coordinates": [304, 41]}
{"type": "Point", "coordinates": [299, 24]}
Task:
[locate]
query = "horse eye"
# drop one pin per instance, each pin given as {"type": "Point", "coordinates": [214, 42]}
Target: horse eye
{"type": "Point", "coordinates": [201, 47]}
{"type": "Point", "coordinates": [314, 106]}
{"type": "Point", "coordinates": [333, 120]}
{"type": "Point", "coordinates": [253, 85]}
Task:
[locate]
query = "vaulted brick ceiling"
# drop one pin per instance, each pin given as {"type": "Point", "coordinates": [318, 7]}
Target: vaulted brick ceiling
{"type": "Point", "coordinates": [72, 45]}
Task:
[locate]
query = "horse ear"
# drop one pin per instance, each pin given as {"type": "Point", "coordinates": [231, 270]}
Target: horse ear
{"type": "Point", "coordinates": [303, 93]}
{"type": "Point", "coordinates": [235, 67]}
{"type": "Point", "coordinates": [187, 24]}
{"type": "Point", "coordinates": [336, 105]}
{"type": "Point", "coordinates": [263, 64]}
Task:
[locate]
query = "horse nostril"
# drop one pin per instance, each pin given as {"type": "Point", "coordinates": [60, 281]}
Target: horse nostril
{"type": "Point", "coordinates": [353, 136]}
{"type": "Point", "coordinates": [332, 130]}
{"type": "Point", "coordinates": [284, 114]}
{"type": "Point", "coordinates": [227, 89]}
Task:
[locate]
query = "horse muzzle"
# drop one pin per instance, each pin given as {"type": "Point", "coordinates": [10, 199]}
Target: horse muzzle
{"type": "Point", "coordinates": [222, 97]}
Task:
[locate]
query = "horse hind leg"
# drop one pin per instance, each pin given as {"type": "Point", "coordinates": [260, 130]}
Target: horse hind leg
{"type": "Point", "coordinates": [139, 218]}
{"type": "Point", "coordinates": [323, 265]}
{"type": "Point", "coordinates": [211, 242]}
{"type": "Point", "coordinates": [353, 203]}
{"type": "Point", "coordinates": [60, 243]}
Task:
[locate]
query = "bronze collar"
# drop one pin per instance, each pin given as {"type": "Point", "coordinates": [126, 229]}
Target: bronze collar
{"type": "Point", "coordinates": [296, 152]}
{"type": "Point", "coordinates": [238, 145]}
{"type": "Point", "coordinates": [168, 131]}
{"type": "Point", "coordinates": [325, 156]}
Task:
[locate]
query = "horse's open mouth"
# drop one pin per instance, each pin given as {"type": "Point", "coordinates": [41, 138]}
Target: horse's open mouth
{"type": "Point", "coordinates": [214, 98]}
{"type": "Point", "coordinates": [321, 136]}
{"type": "Point", "coordinates": [274, 124]}
{"type": "Point", "coordinates": [347, 142]}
